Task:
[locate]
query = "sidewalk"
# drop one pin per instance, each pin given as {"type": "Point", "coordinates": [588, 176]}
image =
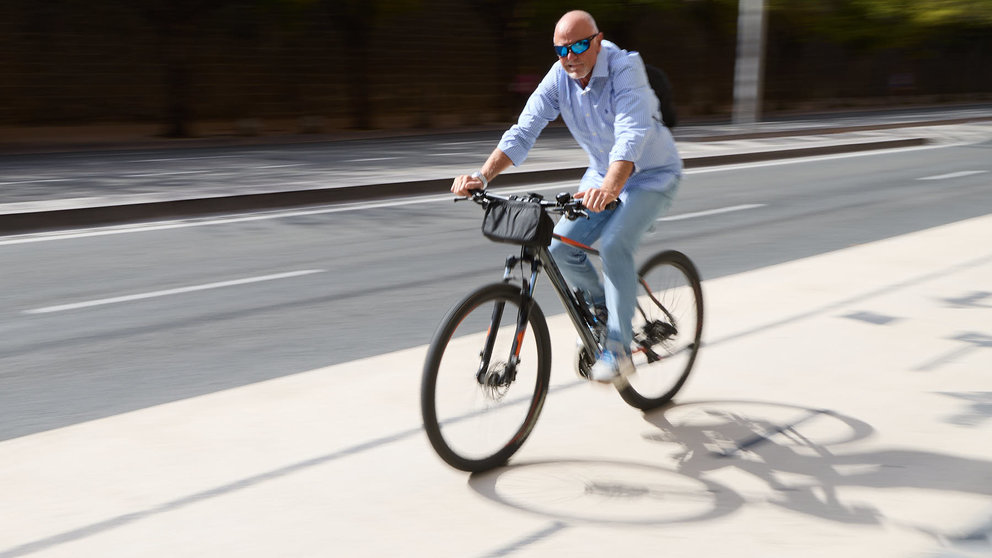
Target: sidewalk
{"type": "Point", "coordinates": [123, 176]}
{"type": "Point", "coordinates": [828, 415]}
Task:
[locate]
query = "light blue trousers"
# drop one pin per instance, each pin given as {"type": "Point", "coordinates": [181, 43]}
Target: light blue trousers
{"type": "Point", "coordinates": [619, 233]}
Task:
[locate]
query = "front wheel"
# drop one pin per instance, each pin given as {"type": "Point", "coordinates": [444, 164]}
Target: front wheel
{"type": "Point", "coordinates": [480, 397]}
{"type": "Point", "coordinates": [668, 326]}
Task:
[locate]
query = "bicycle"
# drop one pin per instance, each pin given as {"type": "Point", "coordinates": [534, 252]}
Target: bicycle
{"type": "Point", "coordinates": [486, 376]}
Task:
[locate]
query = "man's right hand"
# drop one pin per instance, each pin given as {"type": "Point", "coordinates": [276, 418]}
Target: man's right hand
{"type": "Point", "coordinates": [464, 184]}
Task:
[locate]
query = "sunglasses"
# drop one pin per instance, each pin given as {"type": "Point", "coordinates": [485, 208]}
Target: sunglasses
{"type": "Point", "coordinates": [577, 48]}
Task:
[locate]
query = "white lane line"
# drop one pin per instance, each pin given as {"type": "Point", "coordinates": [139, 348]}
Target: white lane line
{"type": "Point", "coordinates": [182, 224]}
{"type": "Point", "coordinates": [711, 212]}
{"type": "Point", "coordinates": [184, 159]}
{"type": "Point", "coordinates": [817, 158]}
{"type": "Point", "coordinates": [168, 292]}
{"type": "Point", "coordinates": [373, 159]}
{"type": "Point", "coordinates": [953, 175]}
{"type": "Point", "coordinates": [32, 181]}
{"type": "Point", "coordinates": [164, 173]}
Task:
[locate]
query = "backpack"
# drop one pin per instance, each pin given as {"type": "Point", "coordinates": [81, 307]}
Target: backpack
{"type": "Point", "coordinates": [663, 90]}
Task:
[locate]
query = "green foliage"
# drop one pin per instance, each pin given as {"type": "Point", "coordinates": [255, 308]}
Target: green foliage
{"type": "Point", "coordinates": [882, 23]}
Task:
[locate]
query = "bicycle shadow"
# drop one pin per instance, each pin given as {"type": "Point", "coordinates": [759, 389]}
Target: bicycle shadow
{"type": "Point", "coordinates": [605, 492]}
{"type": "Point", "coordinates": [805, 472]}
{"type": "Point", "coordinates": [793, 450]}
{"type": "Point", "coordinates": [769, 442]}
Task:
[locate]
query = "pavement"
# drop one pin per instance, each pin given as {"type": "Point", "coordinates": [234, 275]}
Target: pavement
{"type": "Point", "coordinates": [840, 406]}
{"type": "Point", "coordinates": [45, 186]}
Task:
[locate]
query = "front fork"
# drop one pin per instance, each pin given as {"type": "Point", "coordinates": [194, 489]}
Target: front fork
{"type": "Point", "coordinates": [527, 300]}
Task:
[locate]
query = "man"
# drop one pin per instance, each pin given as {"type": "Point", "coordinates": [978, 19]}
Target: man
{"type": "Point", "coordinates": [602, 94]}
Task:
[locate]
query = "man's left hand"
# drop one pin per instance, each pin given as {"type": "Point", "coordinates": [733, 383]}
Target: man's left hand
{"type": "Point", "coordinates": [596, 199]}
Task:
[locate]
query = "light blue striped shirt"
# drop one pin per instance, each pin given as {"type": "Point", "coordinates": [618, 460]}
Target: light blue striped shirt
{"type": "Point", "coordinates": [615, 118]}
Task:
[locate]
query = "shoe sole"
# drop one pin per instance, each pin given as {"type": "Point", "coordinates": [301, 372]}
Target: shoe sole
{"type": "Point", "coordinates": [620, 380]}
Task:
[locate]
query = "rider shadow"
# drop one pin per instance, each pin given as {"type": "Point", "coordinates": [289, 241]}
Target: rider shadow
{"type": "Point", "coordinates": [712, 436]}
{"type": "Point", "coordinates": [791, 449]}
{"type": "Point", "coordinates": [795, 459]}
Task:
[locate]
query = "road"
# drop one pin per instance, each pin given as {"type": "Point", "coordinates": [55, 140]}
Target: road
{"type": "Point", "coordinates": [107, 321]}
{"type": "Point", "coordinates": [364, 279]}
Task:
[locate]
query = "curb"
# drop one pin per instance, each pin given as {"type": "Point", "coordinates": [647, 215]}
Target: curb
{"type": "Point", "coordinates": [840, 129]}
{"type": "Point", "coordinates": [125, 213]}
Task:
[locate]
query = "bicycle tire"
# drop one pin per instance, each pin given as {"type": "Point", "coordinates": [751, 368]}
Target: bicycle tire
{"type": "Point", "coordinates": [461, 410]}
{"type": "Point", "coordinates": [672, 297]}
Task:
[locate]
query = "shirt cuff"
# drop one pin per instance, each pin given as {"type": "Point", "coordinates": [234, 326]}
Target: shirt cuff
{"type": "Point", "coordinates": [516, 152]}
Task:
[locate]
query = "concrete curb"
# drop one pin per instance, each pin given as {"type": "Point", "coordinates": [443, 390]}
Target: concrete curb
{"type": "Point", "coordinates": [124, 213]}
{"type": "Point", "coordinates": [829, 130]}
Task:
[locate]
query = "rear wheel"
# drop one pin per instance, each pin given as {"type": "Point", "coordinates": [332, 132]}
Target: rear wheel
{"type": "Point", "coordinates": [668, 326]}
{"type": "Point", "coordinates": [479, 399]}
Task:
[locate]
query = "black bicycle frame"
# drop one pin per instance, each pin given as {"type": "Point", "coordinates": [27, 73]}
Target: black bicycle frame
{"type": "Point", "coordinates": [568, 299]}
{"type": "Point", "coordinates": [541, 258]}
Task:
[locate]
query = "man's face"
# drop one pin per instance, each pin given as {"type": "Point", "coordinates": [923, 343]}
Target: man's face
{"type": "Point", "coordinates": [578, 66]}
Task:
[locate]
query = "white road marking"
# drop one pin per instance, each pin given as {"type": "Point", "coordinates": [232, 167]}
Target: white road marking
{"type": "Point", "coordinates": [32, 181]}
{"type": "Point", "coordinates": [815, 158]}
{"type": "Point", "coordinates": [168, 292]}
{"type": "Point", "coordinates": [187, 223]}
{"type": "Point", "coordinates": [948, 176]}
{"type": "Point", "coordinates": [711, 212]}
{"type": "Point", "coordinates": [184, 158]}
{"type": "Point", "coordinates": [164, 173]}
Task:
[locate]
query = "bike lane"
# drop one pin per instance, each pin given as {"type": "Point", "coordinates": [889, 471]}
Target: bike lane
{"type": "Point", "coordinates": [840, 404]}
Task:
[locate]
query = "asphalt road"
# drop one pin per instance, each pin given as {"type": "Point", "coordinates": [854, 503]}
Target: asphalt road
{"type": "Point", "coordinates": [104, 321]}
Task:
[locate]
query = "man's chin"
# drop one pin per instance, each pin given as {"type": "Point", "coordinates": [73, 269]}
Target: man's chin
{"type": "Point", "coordinates": [576, 75]}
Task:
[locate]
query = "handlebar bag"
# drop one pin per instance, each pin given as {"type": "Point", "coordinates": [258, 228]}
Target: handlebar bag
{"type": "Point", "coordinates": [517, 222]}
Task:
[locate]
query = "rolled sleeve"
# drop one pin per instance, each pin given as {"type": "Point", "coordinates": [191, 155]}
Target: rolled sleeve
{"type": "Point", "coordinates": [542, 107]}
{"type": "Point", "coordinates": [633, 111]}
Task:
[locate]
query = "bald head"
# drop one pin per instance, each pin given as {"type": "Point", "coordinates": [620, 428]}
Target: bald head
{"type": "Point", "coordinates": [576, 22]}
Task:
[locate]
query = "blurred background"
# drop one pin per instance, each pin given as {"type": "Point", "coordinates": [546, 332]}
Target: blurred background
{"type": "Point", "coordinates": [193, 67]}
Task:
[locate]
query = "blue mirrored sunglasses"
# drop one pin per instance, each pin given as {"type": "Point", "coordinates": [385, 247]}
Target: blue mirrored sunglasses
{"type": "Point", "coordinates": [577, 48]}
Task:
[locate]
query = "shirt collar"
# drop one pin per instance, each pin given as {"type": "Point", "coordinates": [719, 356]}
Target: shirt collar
{"type": "Point", "coordinates": [602, 67]}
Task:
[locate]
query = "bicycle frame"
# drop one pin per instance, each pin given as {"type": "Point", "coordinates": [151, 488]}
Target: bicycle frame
{"type": "Point", "coordinates": [541, 258]}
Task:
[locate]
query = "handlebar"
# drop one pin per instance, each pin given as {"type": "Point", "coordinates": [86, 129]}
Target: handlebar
{"type": "Point", "coordinates": [564, 204]}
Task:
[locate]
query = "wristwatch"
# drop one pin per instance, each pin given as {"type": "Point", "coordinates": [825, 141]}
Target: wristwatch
{"type": "Point", "coordinates": [482, 177]}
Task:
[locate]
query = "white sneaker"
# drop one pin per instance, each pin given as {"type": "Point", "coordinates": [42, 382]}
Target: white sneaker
{"type": "Point", "coordinates": [612, 368]}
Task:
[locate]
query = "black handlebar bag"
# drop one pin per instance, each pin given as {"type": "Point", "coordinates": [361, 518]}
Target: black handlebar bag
{"type": "Point", "coordinates": [517, 222]}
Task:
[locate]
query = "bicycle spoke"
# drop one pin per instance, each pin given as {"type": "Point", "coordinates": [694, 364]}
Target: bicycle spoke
{"type": "Point", "coordinates": [478, 415]}
{"type": "Point", "coordinates": [667, 330]}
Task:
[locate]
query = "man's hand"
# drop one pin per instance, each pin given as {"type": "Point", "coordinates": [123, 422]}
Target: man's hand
{"type": "Point", "coordinates": [464, 184]}
{"type": "Point", "coordinates": [596, 199]}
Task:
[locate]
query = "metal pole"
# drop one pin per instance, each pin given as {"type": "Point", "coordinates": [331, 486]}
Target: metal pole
{"type": "Point", "coordinates": [749, 70]}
